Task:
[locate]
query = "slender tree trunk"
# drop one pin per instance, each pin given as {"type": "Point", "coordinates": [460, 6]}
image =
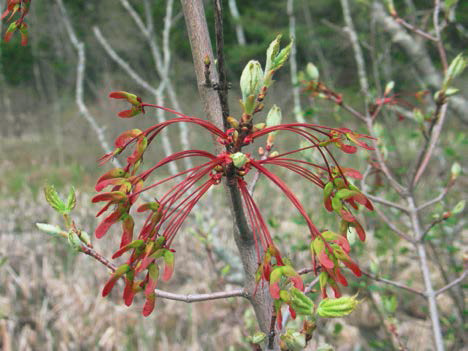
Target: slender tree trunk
{"type": "Point", "coordinates": [201, 49]}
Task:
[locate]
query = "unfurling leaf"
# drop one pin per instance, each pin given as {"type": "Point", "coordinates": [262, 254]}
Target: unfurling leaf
{"type": "Point", "coordinates": [257, 338]}
{"type": "Point", "coordinates": [71, 200]}
{"type": "Point", "coordinates": [331, 308]}
{"type": "Point", "coordinates": [54, 200]}
{"type": "Point", "coordinates": [459, 207]}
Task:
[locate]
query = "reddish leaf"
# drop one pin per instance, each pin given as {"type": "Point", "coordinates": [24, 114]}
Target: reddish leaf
{"type": "Point", "coordinates": [113, 196]}
{"type": "Point", "coordinates": [353, 267]}
{"type": "Point", "coordinates": [349, 149]}
{"type": "Point", "coordinates": [128, 113]}
{"type": "Point", "coordinates": [292, 311]}
{"type": "Point", "coordinates": [129, 293]}
{"type": "Point", "coordinates": [153, 275]}
{"type": "Point", "coordinates": [133, 245]}
{"type": "Point", "coordinates": [325, 260]}
{"type": "Point", "coordinates": [127, 227]}
{"type": "Point", "coordinates": [275, 290]}
{"type": "Point", "coordinates": [104, 226]}
{"type": "Point", "coordinates": [118, 95]}
{"type": "Point", "coordinates": [168, 265]}
{"type": "Point", "coordinates": [347, 216]}
{"type": "Point", "coordinates": [126, 136]}
{"type": "Point", "coordinates": [360, 230]}
{"type": "Point", "coordinates": [351, 172]}
{"type": "Point", "coordinates": [328, 204]}
{"type": "Point", "coordinates": [149, 304]}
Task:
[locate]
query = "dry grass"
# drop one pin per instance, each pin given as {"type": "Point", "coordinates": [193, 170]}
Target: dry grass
{"type": "Point", "coordinates": [50, 298]}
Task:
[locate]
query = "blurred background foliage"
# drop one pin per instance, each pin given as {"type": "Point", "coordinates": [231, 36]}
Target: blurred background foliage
{"type": "Point", "coordinates": [43, 290]}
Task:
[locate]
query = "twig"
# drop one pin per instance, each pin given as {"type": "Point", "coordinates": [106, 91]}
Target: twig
{"type": "Point", "coordinates": [87, 250]}
{"type": "Point", "coordinates": [386, 202]}
{"type": "Point", "coordinates": [201, 297]}
{"type": "Point", "coordinates": [311, 285]}
{"type": "Point", "coordinates": [352, 111]}
{"type": "Point", "coordinates": [413, 28]}
{"type": "Point", "coordinates": [417, 53]}
{"type": "Point", "coordinates": [452, 284]}
{"type": "Point", "coordinates": [393, 283]}
{"type": "Point", "coordinates": [358, 56]}
{"type": "Point", "coordinates": [392, 226]}
{"type": "Point", "coordinates": [220, 64]}
{"type": "Point", "coordinates": [430, 145]}
{"type": "Point", "coordinates": [161, 60]}
{"type": "Point", "coordinates": [435, 200]}
{"type": "Point", "coordinates": [164, 294]}
{"type": "Point", "coordinates": [271, 334]}
{"type": "Point", "coordinates": [440, 46]}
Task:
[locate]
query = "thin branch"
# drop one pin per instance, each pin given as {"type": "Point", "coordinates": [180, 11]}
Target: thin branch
{"type": "Point", "coordinates": [393, 283]}
{"type": "Point", "coordinates": [452, 284]}
{"type": "Point", "coordinates": [435, 200]}
{"type": "Point", "coordinates": [189, 298]}
{"type": "Point", "coordinates": [201, 297]}
{"type": "Point", "coordinates": [418, 54]}
{"type": "Point", "coordinates": [272, 334]}
{"type": "Point", "coordinates": [311, 285]}
{"type": "Point", "coordinates": [393, 226]}
{"type": "Point", "coordinates": [144, 84]}
{"type": "Point", "coordinates": [161, 61]}
{"type": "Point", "coordinates": [386, 202]}
{"type": "Point", "coordinates": [358, 56]}
{"type": "Point", "coordinates": [220, 63]}
{"type": "Point", "coordinates": [430, 145]}
{"type": "Point", "coordinates": [413, 28]}
{"type": "Point", "coordinates": [124, 65]}
{"type": "Point", "coordinates": [352, 111]}
{"type": "Point", "coordinates": [440, 46]}
{"type": "Point", "coordinates": [87, 250]}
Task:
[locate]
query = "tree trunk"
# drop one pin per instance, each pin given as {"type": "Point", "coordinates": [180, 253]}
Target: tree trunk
{"type": "Point", "coordinates": [201, 48]}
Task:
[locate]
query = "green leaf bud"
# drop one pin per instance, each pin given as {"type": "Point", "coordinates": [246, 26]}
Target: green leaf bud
{"type": "Point", "coordinates": [312, 72]}
{"type": "Point", "coordinates": [251, 80]}
{"type": "Point", "coordinates": [239, 159]}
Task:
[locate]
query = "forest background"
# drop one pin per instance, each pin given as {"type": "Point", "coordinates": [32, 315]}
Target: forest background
{"type": "Point", "coordinates": [50, 297]}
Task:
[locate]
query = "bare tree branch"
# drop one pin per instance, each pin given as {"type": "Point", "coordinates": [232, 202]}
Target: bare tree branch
{"type": "Point", "coordinates": [201, 297]}
{"type": "Point", "coordinates": [452, 284]}
{"type": "Point", "coordinates": [145, 85]}
{"type": "Point", "coordinates": [393, 283]}
{"type": "Point", "coordinates": [80, 70]}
